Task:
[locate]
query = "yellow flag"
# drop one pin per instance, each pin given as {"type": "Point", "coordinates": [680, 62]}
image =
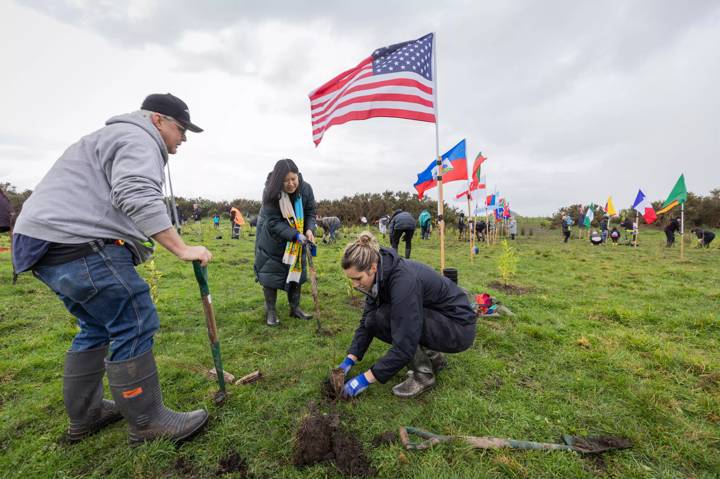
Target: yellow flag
{"type": "Point", "coordinates": [668, 207]}
{"type": "Point", "coordinates": [610, 207]}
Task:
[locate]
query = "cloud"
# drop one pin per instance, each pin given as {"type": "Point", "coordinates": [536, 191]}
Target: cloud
{"type": "Point", "coordinates": [570, 101]}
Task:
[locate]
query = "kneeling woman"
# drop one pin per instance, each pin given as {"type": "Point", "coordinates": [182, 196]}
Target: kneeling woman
{"type": "Point", "coordinates": [285, 225]}
{"type": "Point", "coordinates": [410, 306]}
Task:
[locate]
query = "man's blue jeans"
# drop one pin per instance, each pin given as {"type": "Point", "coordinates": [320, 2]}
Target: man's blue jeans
{"type": "Point", "coordinates": [110, 300]}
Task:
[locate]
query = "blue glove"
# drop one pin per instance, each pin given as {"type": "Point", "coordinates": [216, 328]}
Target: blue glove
{"type": "Point", "coordinates": [346, 365]}
{"type": "Point", "coordinates": [301, 238]}
{"type": "Point", "coordinates": [355, 386]}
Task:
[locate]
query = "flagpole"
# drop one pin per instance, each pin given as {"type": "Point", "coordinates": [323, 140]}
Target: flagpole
{"type": "Point", "coordinates": [472, 233]}
{"type": "Point", "coordinates": [682, 230]}
{"type": "Point", "coordinates": [636, 228]}
{"type": "Point", "coordinates": [441, 219]}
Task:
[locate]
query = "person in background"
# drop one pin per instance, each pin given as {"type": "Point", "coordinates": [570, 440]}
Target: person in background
{"type": "Point", "coordinates": [604, 227]}
{"type": "Point", "coordinates": [84, 243]}
{"type": "Point", "coordinates": [383, 224]}
{"type": "Point", "coordinates": [216, 221]}
{"type": "Point", "coordinates": [672, 227]}
{"type": "Point", "coordinates": [705, 237]}
{"type": "Point", "coordinates": [580, 224]}
{"type": "Point", "coordinates": [461, 226]}
{"type": "Point", "coordinates": [420, 313]}
{"type": "Point", "coordinates": [402, 225]}
{"type": "Point", "coordinates": [330, 225]}
{"type": "Point", "coordinates": [286, 225]}
{"type": "Point", "coordinates": [614, 235]}
{"type": "Point", "coordinates": [237, 221]}
{"type": "Point", "coordinates": [595, 238]}
{"type": "Point", "coordinates": [425, 220]}
{"type": "Point", "coordinates": [566, 222]}
{"type": "Point", "coordinates": [512, 228]}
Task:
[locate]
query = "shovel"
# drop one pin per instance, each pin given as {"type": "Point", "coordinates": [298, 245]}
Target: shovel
{"type": "Point", "coordinates": [314, 288]}
{"type": "Point", "coordinates": [201, 275]}
{"type": "Point", "coordinates": [579, 444]}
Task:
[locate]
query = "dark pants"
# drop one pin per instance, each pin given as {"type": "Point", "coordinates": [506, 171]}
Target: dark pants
{"type": "Point", "coordinates": [425, 232]}
{"type": "Point", "coordinates": [707, 238]}
{"type": "Point", "coordinates": [566, 234]}
{"type": "Point", "coordinates": [670, 235]}
{"type": "Point", "coordinates": [407, 237]}
{"type": "Point", "coordinates": [439, 332]}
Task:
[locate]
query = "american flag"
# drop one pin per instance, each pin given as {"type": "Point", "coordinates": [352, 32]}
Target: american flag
{"type": "Point", "coordinates": [395, 81]}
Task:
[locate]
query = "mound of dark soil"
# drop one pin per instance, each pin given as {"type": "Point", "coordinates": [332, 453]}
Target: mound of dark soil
{"type": "Point", "coordinates": [350, 458]}
{"type": "Point", "coordinates": [321, 437]}
{"type": "Point", "coordinates": [509, 288]}
{"type": "Point", "coordinates": [314, 437]}
{"type": "Point", "coordinates": [231, 463]}
{"type": "Point", "coordinates": [597, 444]}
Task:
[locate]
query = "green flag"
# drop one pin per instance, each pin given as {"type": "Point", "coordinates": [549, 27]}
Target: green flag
{"type": "Point", "coordinates": [678, 193]}
{"type": "Point", "coordinates": [677, 196]}
{"type": "Point", "coordinates": [589, 215]}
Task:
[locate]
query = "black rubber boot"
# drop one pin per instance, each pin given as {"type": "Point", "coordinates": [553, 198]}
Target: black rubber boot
{"type": "Point", "coordinates": [420, 376]}
{"type": "Point", "coordinates": [271, 318]}
{"type": "Point", "coordinates": [407, 251]}
{"type": "Point", "coordinates": [438, 359]}
{"type": "Point", "coordinates": [135, 386]}
{"type": "Point", "coordinates": [294, 293]}
{"type": "Point", "coordinates": [83, 393]}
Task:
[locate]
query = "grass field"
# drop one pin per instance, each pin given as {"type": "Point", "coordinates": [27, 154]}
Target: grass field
{"type": "Point", "coordinates": [609, 340]}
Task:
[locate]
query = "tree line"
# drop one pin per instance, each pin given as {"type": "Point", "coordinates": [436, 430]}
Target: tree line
{"type": "Point", "coordinates": [699, 211]}
{"type": "Point", "coordinates": [350, 209]}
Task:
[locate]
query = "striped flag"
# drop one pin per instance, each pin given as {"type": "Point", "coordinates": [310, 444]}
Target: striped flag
{"type": "Point", "coordinates": [477, 181]}
{"type": "Point", "coordinates": [395, 81]}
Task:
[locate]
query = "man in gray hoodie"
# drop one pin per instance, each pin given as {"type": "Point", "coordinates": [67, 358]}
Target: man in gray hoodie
{"type": "Point", "coordinates": [93, 217]}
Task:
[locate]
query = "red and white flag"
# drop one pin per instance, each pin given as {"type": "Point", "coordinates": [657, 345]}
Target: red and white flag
{"type": "Point", "coordinates": [395, 81]}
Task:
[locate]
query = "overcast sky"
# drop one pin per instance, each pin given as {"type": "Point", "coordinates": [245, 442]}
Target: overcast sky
{"type": "Point", "coordinates": [571, 101]}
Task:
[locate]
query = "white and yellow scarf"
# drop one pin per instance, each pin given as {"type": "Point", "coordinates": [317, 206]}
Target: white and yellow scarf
{"type": "Point", "coordinates": [293, 249]}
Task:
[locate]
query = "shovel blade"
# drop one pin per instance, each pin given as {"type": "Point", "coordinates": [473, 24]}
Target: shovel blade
{"type": "Point", "coordinates": [596, 444]}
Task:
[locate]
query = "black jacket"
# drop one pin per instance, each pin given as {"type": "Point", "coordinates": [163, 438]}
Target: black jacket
{"type": "Point", "coordinates": [673, 226]}
{"type": "Point", "coordinates": [705, 235]}
{"type": "Point", "coordinates": [273, 233]}
{"type": "Point", "coordinates": [401, 220]}
{"type": "Point", "coordinates": [408, 287]}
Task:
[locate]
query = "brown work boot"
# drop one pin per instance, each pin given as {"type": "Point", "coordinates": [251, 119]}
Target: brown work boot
{"type": "Point", "coordinates": [420, 376]}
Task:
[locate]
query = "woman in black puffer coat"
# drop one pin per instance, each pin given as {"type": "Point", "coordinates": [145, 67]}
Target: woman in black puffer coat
{"type": "Point", "coordinates": [285, 226]}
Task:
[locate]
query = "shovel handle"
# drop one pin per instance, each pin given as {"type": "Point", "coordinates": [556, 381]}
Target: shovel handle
{"type": "Point", "coordinates": [201, 275]}
{"type": "Point", "coordinates": [485, 442]}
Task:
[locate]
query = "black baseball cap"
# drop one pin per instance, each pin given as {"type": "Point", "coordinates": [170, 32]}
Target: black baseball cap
{"type": "Point", "coordinates": [170, 105]}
